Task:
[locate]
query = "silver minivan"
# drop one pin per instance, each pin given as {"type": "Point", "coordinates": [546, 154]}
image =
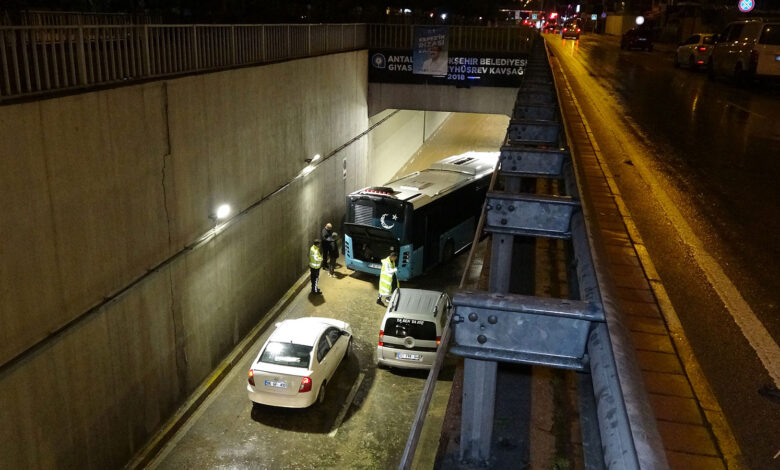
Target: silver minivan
{"type": "Point", "coordinates": [410, 332]}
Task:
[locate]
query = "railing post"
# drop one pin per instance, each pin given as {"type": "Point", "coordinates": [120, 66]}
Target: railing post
{"type": "Point", "coordinates": [262, 43]}
{"type": "Point", "coordinates": [289, 43]}
{"type": "Point", "coordinates": [147, 58]}
{"type": "Point", "coordinates": [233, 55]}
{"type": "Point", "coordinates": [195, 48]}
{"type": "Point", "coordinates": [81, 57]}
{"type": "Point", "coordinates": [308, 34]}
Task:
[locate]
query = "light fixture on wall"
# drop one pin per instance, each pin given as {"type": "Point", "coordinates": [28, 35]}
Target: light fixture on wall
{"type": "Point", "coordinates": [312, 159]}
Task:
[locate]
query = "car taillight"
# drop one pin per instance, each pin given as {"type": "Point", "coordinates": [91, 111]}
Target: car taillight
{"type": "Point", "coordinates": [305, 385]}
{"type": "Point", "coordinates": [702, 48]}
{"type": "Point", "coordinates": [381, 338]}
{"type": "Point", "coordinates": [438, 340]}
{"type": "Point", "coordinates": [251, 377]}
{"type": "Point", "coordinates": [578, 30]}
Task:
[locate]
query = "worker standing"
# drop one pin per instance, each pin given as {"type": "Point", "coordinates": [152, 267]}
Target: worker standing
{"type": "Point", "coordinates": [315, 262]}
{"type": "Point", "coordinates": [388, 279]}
{"type": "Point", "coordinates": [327, 241]}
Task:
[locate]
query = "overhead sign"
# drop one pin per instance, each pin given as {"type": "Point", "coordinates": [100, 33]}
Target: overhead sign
{"type": "Point", "coordinates": [463, 69]}
{"type": "Point", "coordinates": [593, 17]}
{"type": "Point", "coordinates": [746, 5]}
{"type": "Point", "coordinates": [429, 56]}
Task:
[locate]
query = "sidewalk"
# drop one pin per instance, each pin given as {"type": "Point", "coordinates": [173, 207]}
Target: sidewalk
{"type": "Point", "coordinates": [692, 426]}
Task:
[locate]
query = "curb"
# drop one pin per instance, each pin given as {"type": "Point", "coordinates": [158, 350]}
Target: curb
{"type": "Point", "coordinates": [186, 410]}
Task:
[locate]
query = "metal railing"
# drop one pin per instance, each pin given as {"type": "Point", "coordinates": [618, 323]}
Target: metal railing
{"type": "Point", "coordinates": [516, 39]}
{"type": "Point", "coordinates": [618, 429]}
{"type": "Point", "coordinates": [36, 60]}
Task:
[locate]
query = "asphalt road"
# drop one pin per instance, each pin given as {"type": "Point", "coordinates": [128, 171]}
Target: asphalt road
{"type": "Point", "coordinates": [697, 163]}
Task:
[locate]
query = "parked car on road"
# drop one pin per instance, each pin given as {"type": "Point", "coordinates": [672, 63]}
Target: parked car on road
{"type": "Point", "coordinates": [747, 49]}
{"type": "Point", "coordinates": [298, 360]}
{"type": "Point", "coordinates": [571, 30]}
{"type": "Point", "coordinates": [637, 38]}
{"type": "Point", "coordinates": [410, 332]}
{"type": "Point", "coordinates": [695, 51]}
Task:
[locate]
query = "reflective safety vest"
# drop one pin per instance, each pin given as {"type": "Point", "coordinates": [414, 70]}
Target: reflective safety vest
{"type": "Point", "coordinates": [386, 277]}
{"type": "Point", "coordinates": [315, 257]}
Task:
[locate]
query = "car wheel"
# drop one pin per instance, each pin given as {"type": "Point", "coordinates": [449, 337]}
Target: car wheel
{"type": "Point", "coordinates": [623, 45]}
{"type": "Point", "coordinates": [675, 61]}
{"type": "Point", "coordinates": [739, 75]}
{"type": "Point", "coordinates": [349, 349]}
{"type": "Point", "coordinates": [650, 48]}
{"type": "Point", "coordinates": [449, 251]}
{"type": "Point", "coordinates": [710, 70]}
{"type": "Point", "coordinates": [321, 394]}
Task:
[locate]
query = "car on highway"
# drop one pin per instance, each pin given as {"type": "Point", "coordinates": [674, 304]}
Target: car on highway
{"type": "Point", "coordinates": [410, 332]}
{"type": "Point", "coordinates": [297, 361]}
{"type": "Point", "coordinates": [695, 51]}
{"type": "Point", "coordinates": [637, 38]}
{"type": "Point", "coordinates": [746, 50]}
{"type": "Point", "coordinates": [571, 30]}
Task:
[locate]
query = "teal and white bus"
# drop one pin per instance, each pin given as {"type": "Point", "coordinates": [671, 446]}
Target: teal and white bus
{"type": "Point", "coordinates": [426, 217]}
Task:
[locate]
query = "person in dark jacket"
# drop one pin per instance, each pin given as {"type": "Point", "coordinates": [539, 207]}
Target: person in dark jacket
{"type": "Point", "coordinates": [329, 248]}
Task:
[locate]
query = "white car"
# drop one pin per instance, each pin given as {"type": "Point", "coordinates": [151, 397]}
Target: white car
{"type": "Point", "coordinates": [695, 51]}
{"type": "Point", "coordinates": [747, 49]}
{"type": "Point", "coordinates": [298, 360]}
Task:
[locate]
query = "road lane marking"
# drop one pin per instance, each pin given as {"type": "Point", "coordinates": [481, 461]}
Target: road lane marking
{"type": "Point", "coordinates": [752, 329]}
{"type": "Point", "coordinates": [706, 398]}
{"type": "Point", "coordinates": [347, 405]}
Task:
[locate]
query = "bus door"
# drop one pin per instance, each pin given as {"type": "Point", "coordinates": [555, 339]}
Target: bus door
{"type": "Point", "coordinates": [432, 235]}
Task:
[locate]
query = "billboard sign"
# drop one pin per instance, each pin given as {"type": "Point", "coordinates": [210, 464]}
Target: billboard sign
{"type": "Point", "coordinates": [429, 52]}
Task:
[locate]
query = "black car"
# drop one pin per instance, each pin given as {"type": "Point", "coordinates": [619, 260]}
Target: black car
{"type": "Point", "coordinates": [637, 38]}
{"type": "Point", "coordinates": [571, 30]}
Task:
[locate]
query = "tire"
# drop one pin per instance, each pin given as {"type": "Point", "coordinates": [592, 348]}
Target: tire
{"type": "Point", "coordinates": [739, 75]}
{"type": "Point", "coordinates": [676, 62]}
{"type": "Point", "coordinates": [622, 45]}
{"type": "Point", "coordinates": [348, 352]}
{"type": "Point", "coordinates": [321, 394]}
{"type": "Point", "coordinates": [449, 251]}
{"type": "Point", "coordinates": [710, 70]}
{"type": "Point", "coordinates": [650, 48]}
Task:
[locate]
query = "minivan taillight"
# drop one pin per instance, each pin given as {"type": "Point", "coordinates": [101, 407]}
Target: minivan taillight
{"type": "Point", "coordinates": [251, 377]}
{"type": "Point", "coordinates": [305, 385]}
{"type": "Point", "coordinates": [702, 48]}
{"type": "Point", "coordinates": [438, 340]}
{"type": "Point", "coordinates": [381, 338]}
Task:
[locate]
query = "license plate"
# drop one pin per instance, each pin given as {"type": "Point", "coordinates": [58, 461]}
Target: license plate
{"type": "Point", "coordinates": [408, 357]}
{"type": "Point", "coordinates": [271, 383]}
{"type": "Point", "coordinates": [375, 266]}
{"type": "Point", "coordinates": [642, 39]}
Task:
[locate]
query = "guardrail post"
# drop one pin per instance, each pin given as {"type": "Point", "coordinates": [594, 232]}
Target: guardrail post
{"type": "Point", "coordinates": [289, 43]}
{"type": "Point", "coordinates": [308, 36]}
{"type": "Point", "coordinates": [147, 58]}
{"type": "Point", "coordinates": [262, 43]}
{"type": "Point", "coordinates": [81, 57]}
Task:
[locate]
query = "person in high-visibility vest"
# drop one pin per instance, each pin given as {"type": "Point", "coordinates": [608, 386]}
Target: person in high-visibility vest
{"type": "Point", "coordinates": [315, 262]}
{"type": "Point", "coordinates": [388, 281]}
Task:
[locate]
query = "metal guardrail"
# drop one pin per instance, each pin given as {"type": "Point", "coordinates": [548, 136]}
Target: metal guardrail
{"type": "Point", "coordinates": [515, 39]}
{"type": "Point", "coordinates": [36, 60]}
{"type": "Point", "coordinates": [496, 326]}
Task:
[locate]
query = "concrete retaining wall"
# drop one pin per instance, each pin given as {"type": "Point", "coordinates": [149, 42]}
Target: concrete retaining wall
{"type": "Point", "coordinates": [478, 99]}
{"type": "Point", "coordinates": [619, 24]}
{"type": "Point", "coordinates": [101, 187]}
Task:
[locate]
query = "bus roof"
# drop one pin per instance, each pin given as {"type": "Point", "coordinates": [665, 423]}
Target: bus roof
{"type": "Point", "coordinates": [443, 176]}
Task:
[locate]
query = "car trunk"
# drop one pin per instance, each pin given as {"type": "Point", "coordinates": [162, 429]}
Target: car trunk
{"type": "Point", "coordinates": [278, 379]}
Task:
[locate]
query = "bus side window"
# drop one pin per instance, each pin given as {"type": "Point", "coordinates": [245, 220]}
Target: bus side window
{"type": "Point", "coordinates": [418, 228]}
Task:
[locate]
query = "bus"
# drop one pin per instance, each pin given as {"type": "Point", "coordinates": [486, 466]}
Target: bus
{"type": "Point", "coordinates": [426, 217]}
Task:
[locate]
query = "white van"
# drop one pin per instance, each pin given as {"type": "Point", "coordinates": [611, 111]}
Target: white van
{"type": "Point", "coordinates": [410, 332]}
{"type": "Point", "coordinates": [747, 49]}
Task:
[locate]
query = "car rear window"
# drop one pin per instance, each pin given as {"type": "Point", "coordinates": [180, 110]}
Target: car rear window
{"type": "Point", "coordinates": [286, 354]}
{"type": "Point", "coordinates": [770, 35]}
{"type": "Point", "coordinates": [417, 329]}
{"type": "Point", "coordinates": [708, 40]}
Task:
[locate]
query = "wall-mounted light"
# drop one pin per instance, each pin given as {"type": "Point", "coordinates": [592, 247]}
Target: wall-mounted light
{"type": "Point", "coordinates": [312, 159]}
{"type": "Point", "coordinates": [223, 211]}
{"type": "Point", "coordinates": [443, 16]}
{"type": "Point", "coordinates": [640, 20]}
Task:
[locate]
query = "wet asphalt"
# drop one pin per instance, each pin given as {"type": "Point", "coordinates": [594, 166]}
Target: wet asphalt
{"type": "Point", "coordinates": [715, 148]}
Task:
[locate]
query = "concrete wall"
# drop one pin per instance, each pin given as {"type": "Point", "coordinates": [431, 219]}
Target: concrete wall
{"type": "Point", "coordinates": [478, 99]}
{"type": "Point", "coordinates": [101, 187]}
{"type": "Point", "coordinates": [619, 24]}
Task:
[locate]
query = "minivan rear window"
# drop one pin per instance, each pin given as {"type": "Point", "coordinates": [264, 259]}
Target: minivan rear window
{"type": "Point", "coordinates": [708, 40]}
{"type": "Point", "coordinates": [770, 35]}
{"type": "Point", "coordinates": [417, 329]}
{"type": "Point", "coordinates": [286, 354]}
